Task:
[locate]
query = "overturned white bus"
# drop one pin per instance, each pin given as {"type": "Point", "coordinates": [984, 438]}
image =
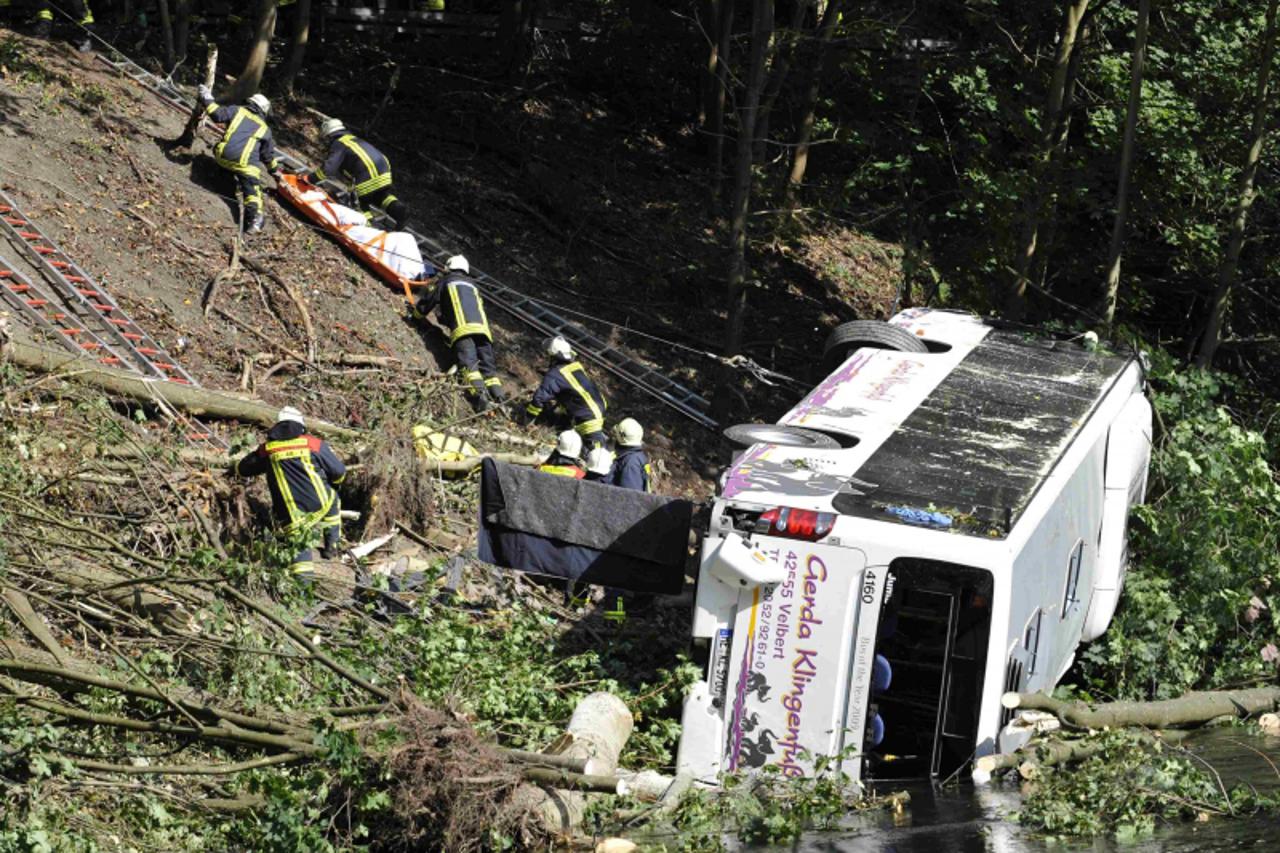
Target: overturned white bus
{"type": "Point", "coordinates": [941, 520]}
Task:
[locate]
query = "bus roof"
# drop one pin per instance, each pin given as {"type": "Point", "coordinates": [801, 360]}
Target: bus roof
{"type": "Point", "coordinates": [958, 440]}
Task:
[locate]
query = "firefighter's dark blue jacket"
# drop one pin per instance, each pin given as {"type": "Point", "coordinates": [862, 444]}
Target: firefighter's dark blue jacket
{"type": "Point", "coordinates": [569, 386]}
{"type": "Point", "coordinates": [247, 141]}
{"type": "Point", "coordinates": [461, 307]}
{"type": "Point", "coordinates": [303, 469]}
{"type": "Point", "coordinates": [631, 469]}
{"type": "Point", "coordinates": [358, 162]}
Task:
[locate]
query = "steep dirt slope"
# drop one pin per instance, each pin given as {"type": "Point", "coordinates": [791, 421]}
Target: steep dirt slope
{"type": "Point", "coordinates": [157, 228]}
{"type": "Point", "coordinates": [83, 151]}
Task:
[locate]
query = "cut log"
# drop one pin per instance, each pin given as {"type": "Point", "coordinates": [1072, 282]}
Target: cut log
{"type": "Point", "coordinates": [192, 130]}
{"type": "Point", "coordinates": [195, 401]}
{"type": "Point", "coordinates": [597, 732]}
{"type": "Point", "coordinates": [1191, 709]}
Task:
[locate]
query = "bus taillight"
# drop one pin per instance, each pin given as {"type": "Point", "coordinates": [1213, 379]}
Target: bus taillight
{"type": "Point", "coordinates": [792, 523]}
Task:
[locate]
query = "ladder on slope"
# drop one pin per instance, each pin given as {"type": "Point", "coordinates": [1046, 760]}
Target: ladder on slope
{"type": "Point", "coordinates": [79, 312]}
{"type": "Point", "coordinates": [530, 311]}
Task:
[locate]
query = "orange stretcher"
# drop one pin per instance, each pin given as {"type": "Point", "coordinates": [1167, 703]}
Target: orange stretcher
{"type": "Point", "coordinates": [393, 256]}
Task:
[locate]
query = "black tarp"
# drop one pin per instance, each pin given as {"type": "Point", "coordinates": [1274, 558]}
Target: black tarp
{"type": "Point", "coordinates": [541, 523]}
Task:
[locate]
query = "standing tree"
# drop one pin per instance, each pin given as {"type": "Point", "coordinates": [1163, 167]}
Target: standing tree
{"type": "Point", "coordinates": [515, 36]}
{"type": "Point", "coordinates": [804, 133]}
{"type": "Point", "coordinates": [297, 45]}
{"type": "Point", "coordinates": [250, 79]}
{"type": "Point", "coordinates": [724, 38]}
{"type": "Point", "coordinates": [761, 34]}
{"type": "Point", "coordinates": [1051, 137]}
{"type": "Point", "coordinates": [1229, 270]}
{"type": "Point", "coordinates": [1137, 67]}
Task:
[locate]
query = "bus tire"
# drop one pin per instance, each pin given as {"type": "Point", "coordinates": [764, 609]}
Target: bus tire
{"type": "Point", "coordinates": [848, 337]}
{"type": "Point", "coordinates": [745, 435]}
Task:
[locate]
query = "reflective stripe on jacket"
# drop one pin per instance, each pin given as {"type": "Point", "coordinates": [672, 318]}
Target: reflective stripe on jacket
{"type": "Point", "coordinates": [304, 470]}
{"type": "Point", "coordinates": [570, 387]}
{"type": "Point", "coordinates": [461, 306]}
{"type": "Point", "coordinates": [563, 466]}
{"type": "Point", "coordinates": [358, 162]}
{"type": "Point", "coordinates": [247, 140]}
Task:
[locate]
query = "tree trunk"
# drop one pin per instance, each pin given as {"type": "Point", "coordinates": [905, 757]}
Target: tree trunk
{"type": "Point", "coordinates": [166, 34]}
{"type": "Point", "coordinates": [181, 29]}
{"type": "Point", "coordinates": [1050, 134]}
{"type": "Point", "coordinates": [196, 401]}
{"type": "Point", "coordinates": [761, 32]}
{"type": "Point", "coordinates": [707, 90]}
{"type": "Point", "coordinates": [724, 38]}
{"type": "Point", "coordinates": [297, 46]}
{"type": "Point", "coordinates": [1137, 67]}
{"type": "Point", "coordinates": [1031, 758]}
{"type": "Point", "coordinates": [1230, 268]}
{"type": "Point", "coordinates": [250, 79]}
{"type": "Point", "coordinates": [804, 134]}
{"type": "Point", "coordinates": [786, 46]}
{"type": "Point", "coordinates": [784, 52]}
{"type": "Point", "coordinates": [192, 130]}
{"type": "Point", "coordinates": [515, 31]}
{"type": "Point", "coordinates": [1191, 709]}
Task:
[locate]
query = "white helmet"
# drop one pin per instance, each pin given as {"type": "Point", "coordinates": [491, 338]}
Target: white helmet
{"type": "Point", "coordinates": [260, 103]}
{"type": "Point", "coordinates": [599, 461]}
{"type": "Point", "coordinates": [558, 347]}
{"type": "Point", "coordinates": [459, 263]}
{"type": "Point", "coordinates": [289, 413]}
{"type": "Point", "coordinates": [628, 433]}
{"type": "Point", "coordinates": [332, 127]}
{"type": "Point", "coordinates": [569, 444]}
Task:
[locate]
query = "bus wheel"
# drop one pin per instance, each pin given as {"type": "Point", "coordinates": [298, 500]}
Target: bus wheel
{"type": "Point", "coordinates": [745, 435]}
{"type": "Point", "coordinates": [848, 337]}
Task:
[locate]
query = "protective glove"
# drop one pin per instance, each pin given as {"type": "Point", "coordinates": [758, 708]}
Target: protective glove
{"type": "Point", "coordinates": [206, 94]}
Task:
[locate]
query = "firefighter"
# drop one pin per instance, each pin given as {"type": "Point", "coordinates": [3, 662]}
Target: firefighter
{"type": "Point", "coordinates": [462, 310]}
{"type": "Point", "coordinates": [304, 471]}
{"type": "Point", "coordinates": [78, 11]}
{"type": "Point", "coordinates": [599, 466]}
{"type": "Point", "coordinates": [567, 385]}
{"type": "Point", "coordinates": [564, 460]}
{"type": "Point", "coordinates": [363, 166]}
{"type": "Point", "coordinates": [245, 150]}
{"type": "Point", "coordinates": [631, 468]}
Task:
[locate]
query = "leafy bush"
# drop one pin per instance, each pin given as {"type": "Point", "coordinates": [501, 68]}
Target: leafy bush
{"type": "Point", "coordinates": [1125, 788]}
{"type": "Point", "coordinates": [1200, 607]}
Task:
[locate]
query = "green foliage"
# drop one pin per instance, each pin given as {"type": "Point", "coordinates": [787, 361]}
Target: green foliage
{"type": "Point", "coordinates": [767, 808]}
{"type": "Point", "coordinates": [518, 675]}
{"type": "Point", "coordinates": [1123, 790]}
{"type": "Point", "coordinates": [1205, 545]}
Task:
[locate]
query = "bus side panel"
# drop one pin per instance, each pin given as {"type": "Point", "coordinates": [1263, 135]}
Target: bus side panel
{"type": "Point", "coordinates": [789, 665]}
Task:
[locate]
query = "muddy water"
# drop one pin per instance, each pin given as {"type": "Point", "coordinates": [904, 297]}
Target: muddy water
{"type": "Point", "coordinates": [970, 818]}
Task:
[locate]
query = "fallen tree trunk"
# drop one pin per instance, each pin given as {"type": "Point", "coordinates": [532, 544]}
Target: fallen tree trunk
{"type": "Point", "coordinates": [21, 607]}
{"type": "Point", "coordinates": [462, 466]}
{"type": "Point", "coordinates": [192, 400]}
{"type": "Point", "coordinates": [1028, 760]}
{"type": "Point", "coordinates": [1191, 709]}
